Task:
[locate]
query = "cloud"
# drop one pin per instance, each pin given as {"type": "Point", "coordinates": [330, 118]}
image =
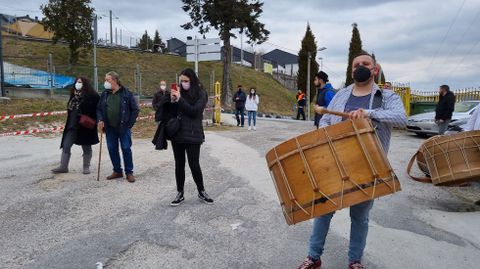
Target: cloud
{"type": "Point", "coordinates": [408, 37]}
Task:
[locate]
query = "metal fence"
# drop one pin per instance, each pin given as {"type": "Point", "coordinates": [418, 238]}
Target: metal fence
{"type": "Point", "coordinates": [44, 73]}
{"type": "Point", "coordinates": [410, 96]}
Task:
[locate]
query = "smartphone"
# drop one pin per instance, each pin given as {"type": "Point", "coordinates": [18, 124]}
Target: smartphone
{"type": "Point", "coordinates": [174, 87]}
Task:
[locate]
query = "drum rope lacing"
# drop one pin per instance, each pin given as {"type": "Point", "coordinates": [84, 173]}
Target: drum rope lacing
{"type": "Point", "coordinates": [340, 166]}
{"type": "Point", "coordinates": [445, 154]}
{"type": "Point", "coordinates": [390, 169]}
{"type": "Point", "coordinates": [285, 181]}
{"type": "Point", "coordinates": [464, 154]}
{"type": "Point", "coordinates": [368, 157]}
{"type": "Point", "coordinates": [282, 204]}
{"type": "Point", "coordinates": [312, 179]}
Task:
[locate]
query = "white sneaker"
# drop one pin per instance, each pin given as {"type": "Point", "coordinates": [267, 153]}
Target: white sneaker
{"type": "Point", "coordinates": [250, 128]}
{"type": "Point", "coordinates": [254, 128]}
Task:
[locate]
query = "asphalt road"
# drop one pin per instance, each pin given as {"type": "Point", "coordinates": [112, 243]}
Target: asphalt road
{"type": "Point", "coordinates": [73, 221]}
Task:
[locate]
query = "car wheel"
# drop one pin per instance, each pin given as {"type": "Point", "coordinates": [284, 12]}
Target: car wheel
{"type": "Point", "coordinates": [421, 135]}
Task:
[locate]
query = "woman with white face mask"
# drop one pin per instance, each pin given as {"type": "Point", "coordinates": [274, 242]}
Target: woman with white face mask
{"type": "Point", "coordinates": [157, 102]}
{"type": "Point", "coordinates": [83, 101]}
{"type": "Point", "coordinates": [251, 105]}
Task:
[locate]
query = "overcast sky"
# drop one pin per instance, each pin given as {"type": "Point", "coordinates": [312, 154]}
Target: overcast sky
{"type": "Point", "coordinates": [423, 42]}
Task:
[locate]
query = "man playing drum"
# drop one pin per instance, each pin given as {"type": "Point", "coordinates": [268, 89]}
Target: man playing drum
{"type": "Point", "coordinates": [363, 99]}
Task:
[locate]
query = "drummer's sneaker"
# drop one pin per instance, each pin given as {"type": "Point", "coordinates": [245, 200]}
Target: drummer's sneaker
{"type": "Point", "coordinates": [356, 265]}
{"type": "Point", "coordinates": [203, 196]}
{"type": "Point", "coordinates": [309, 263]}
{"type": "Point", "coordinates": [178, 200]}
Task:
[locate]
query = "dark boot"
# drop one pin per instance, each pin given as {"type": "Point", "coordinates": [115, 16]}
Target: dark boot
{"type": "Point", "coordinates": [87, 157]}
{"type": "Point", "coordinates": [64, 160]}
{"type": "Point", "coordinates": [115, 175]}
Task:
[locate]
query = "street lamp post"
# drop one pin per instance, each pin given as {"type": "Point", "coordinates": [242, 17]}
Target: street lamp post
{"type": "Point", "coordinates": [309, 58]}
{"type": "Point", "coordinates": [308, 85]}
{"type": "Point", "coordinates": [95, 36]}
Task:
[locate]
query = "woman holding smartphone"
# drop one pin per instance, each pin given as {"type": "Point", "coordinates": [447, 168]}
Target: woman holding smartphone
{"type": "Point", "coordinates": [188, 102]}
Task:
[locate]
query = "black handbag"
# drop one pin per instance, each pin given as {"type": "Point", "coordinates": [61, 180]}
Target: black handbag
{"type": "Point", "coordinates": [173, 126]}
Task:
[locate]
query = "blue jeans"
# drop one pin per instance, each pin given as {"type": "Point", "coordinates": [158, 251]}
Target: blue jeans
{"type": "Point", "coordinates": [240, 112]}
{"type": "Point", "coordinates": [113, 136]}
{"type": "Point", "coordinates": [358, 232]}
{"type": "Point", "coordinates": [252, 114]}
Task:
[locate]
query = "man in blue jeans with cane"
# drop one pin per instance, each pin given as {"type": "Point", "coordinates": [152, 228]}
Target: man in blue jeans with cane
{"type": "Point", "coordinates": [117, 112]}
{"type": "Point", "coordinates": [363, 99]}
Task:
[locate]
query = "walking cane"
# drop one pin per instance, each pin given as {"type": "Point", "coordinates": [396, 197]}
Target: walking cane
{"type": "Point", "coordinates": [100, 154]}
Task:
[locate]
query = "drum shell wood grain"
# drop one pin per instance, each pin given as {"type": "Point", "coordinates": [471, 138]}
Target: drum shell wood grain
{"type": "Point", "coordinates": [453, 159]}
{"type": "Point", "coordinates": [422, 164]}
{"type": "Point", "coordinates": [333, 167]}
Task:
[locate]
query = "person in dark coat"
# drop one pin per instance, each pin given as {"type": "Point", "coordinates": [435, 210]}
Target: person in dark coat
{"type": "Point", "coordinates": [117, 112]}
{"type": "Point", "coordinates": [444, 109]}
{"type": "Point", "coordinates": [83, 100]}
{"type": "Point", "coordinates": [187, 105]}
{"type": "Point", "coordinates": [162, 91]}
{"type": "Point", "coordinates": [163, 113]}
{"type": "Point", "coordinates": [301, 102]}
{"type": "Point", "coordinates": [240, 98]}
{"type": "Point", "coordinates": [325, 93]}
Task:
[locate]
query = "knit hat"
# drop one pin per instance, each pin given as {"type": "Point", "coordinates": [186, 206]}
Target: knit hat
{"type": "Point", "coordinates": [323, 76]}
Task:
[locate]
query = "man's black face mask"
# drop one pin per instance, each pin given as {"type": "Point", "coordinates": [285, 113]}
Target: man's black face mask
{"type": "Point", "coordinates": [361, 74]}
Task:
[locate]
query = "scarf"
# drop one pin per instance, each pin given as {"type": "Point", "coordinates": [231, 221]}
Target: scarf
{"type": "Point", "coordinates": [75, 101]}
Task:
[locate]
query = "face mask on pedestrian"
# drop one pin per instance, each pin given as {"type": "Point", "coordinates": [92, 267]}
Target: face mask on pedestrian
{"type": "Point", "coordinates": [362, 74]}
{"type": "Point", "coordinates": [107, 85]}
{"type": "Point", "coordinates": [78, 86]}
{"type": "Point", "coordinates": [252, 91]}
{"type": "Point", "coordinates": [186, 86]}
{"type": "Point", "coordinates": [163, 87]}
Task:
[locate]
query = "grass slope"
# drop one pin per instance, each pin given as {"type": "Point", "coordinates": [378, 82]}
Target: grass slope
{"type": "Point", "coordinates": [154, 67]}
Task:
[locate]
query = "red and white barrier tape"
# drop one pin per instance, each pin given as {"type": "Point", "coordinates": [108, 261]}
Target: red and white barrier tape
{"type": "Point", "coordinates": [146, 117]}
{"type": "Point", "coordinates": [43, 130]}
{"type": "Point", "coordinates": [46, 114]}
{"type": "Point", "coordinates": [40, 114]}
{"type": "Point", "coordinates": [60, 128]}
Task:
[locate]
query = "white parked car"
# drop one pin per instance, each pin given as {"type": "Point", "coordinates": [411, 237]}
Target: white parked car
{"type": "Point", "coordinates": [424, 123]}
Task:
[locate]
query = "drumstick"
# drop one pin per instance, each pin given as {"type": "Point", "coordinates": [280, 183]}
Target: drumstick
{"type": "Point", "coordinates": [322, 110]}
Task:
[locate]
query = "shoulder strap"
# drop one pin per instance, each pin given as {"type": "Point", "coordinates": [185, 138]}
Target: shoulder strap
{"type": "Point", "coordinates": [377, 99]}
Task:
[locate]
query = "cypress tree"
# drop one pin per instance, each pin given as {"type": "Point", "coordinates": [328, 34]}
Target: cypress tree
{"type": "Point", "coordinates": [354, 50]}
{"type": "Point", "coordinates": [308, 45]}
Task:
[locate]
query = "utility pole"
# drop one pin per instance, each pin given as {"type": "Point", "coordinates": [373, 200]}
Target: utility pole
{"type": "Point", "coordinates": [95, 37]}
{"type": "Point", "coordinates": [2, 75]}
{"type": "Point", "coordinates": [111, 30]}
{"type": "Point", "coordinates": [241, 48]}
{"type": "Point", "coordinates": [121, 37]}
{"type": "Point", "coordinates": [196, 55]}
{"type": "Point", "coordinates": [116, 36]}
{"type": "Point", "coordinates": [308, 85]}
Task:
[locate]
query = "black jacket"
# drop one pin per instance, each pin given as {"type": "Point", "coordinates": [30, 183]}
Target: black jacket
{"type": "Point", "coordinates": [129, 109]}
{"type": "Point", "coordinates": [445, 106]}
{"type": "Point", "coordinates": [88, 106]}
{"type": "Point", "coordinates": [190, 109]}
{"type": "Point", "coordinates": [240, 103]}
{"type": "Point", "coordinates": [302, 102]}
{"type": "Point", "coordinates": [164, 111]}
{"type": "Point", "coordinates": [160, 100]}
